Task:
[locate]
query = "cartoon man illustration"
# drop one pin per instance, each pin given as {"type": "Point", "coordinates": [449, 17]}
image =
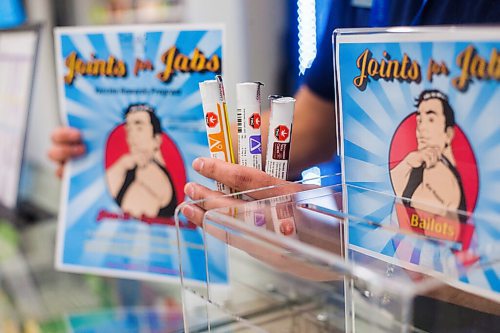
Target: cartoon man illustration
{"type": "Point", "coordinates": [139, 180]}
{"type": "Point", "coordinates": [429, 175]}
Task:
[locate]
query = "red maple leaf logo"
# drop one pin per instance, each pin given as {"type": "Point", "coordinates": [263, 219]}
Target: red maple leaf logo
{"type": "Point", "coordinates": [211, 119]}
{"type": "Point", "coordinates": [255, 121]}
{"type": "Point", "coordinates": [281, 132]}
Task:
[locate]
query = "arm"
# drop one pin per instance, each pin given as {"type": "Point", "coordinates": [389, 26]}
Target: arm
{"type": "Point", "coordinates": [116, 173]}
{"type": "Point", "coordinates": [314, 134]}
{"type": "Point", "coordinates": [400, 174]}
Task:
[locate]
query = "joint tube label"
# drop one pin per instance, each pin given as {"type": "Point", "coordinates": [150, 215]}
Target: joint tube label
{"type": "Point", "coordinates": [248, 108]}
{"type": "Point", "coordinates": [217, 125]}
{"type": "Point", "coordinates": [280, 133]}
{"type": "Point", "coordinates": [283, 216]}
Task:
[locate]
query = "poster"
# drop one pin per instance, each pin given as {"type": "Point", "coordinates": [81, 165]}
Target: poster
{"type": "Point", "coordinates": [133, 93]}
{"type": "Point", "coordinates": [419, 120]}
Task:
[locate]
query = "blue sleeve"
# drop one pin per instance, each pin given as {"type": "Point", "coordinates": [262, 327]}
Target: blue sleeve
{"type": "Point", "coordinates": [443, 12]}
{"type": "Point", "coordinates": [461, 12]}
{"type": "Point", "coordinates": [319, 77]}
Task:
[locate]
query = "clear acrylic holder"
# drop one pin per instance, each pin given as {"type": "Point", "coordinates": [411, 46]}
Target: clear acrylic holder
{"type": "Point", "coordinates": [290, 270]}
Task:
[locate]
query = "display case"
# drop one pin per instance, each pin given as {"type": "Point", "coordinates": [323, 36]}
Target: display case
{"type": "Point", "coordinates": [290, 268]}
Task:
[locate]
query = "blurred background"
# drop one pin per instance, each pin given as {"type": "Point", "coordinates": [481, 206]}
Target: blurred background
{"type": "Point", "coordinates": [270, 41]}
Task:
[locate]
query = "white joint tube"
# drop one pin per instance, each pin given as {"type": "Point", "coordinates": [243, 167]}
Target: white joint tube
{"type": "Point", "coordinates": [280, 134]}
{"type": "Point", "coordinates": [248, 115]}
{"type": "Point", "coordinates": [217, 124]}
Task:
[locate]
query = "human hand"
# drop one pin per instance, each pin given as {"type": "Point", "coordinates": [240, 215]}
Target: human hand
{"type": "Point", "coordinates": [141, 159]}
{"type": "Point", "coordinates": [66, 144]}
{"type": "Point", "coordinates": [427, 157]}
{"type": "Point", "coordinates": [242, 178]}
{"type": "Point", "coordinates": [237, 177]}
{"type": "Point", "coordinates": [133, 160]}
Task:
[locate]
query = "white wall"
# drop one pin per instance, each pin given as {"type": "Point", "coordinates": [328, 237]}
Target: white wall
{"type": "Point", "coordinates": [265, 30]}
{"type": "Point", "coordinates": [254, 29]}
{"type": "Point", "coordinates": [231, 14]}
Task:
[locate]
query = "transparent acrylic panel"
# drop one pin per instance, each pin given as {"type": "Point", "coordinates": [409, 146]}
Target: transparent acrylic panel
{"type": "Point", "coordinates": [287, 253]}
{"type": "Point", "coordinates": [269, 288]}
{"type": "Point", "coordinates": [387, 143]}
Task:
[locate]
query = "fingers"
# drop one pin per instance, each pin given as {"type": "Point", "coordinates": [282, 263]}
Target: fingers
{"type": "Point", "coordinates": [209, 199]}
{"type": "Point", "coordinates": [60, 170]}
{"type": "Point", "coordinates": [66, 144]}
{"type": "Point", "coordinates": [426, 160]}
{"type": "Point", "coordinates": [61, 153]}
{"type": "Point", "coordinates": [237, 177]}
{"type": "Point", "coordinates": [66, 135]}
{"type": "Point", "coordinates": [427, 157]}
{"type": "Point", "coordinates": [241, 178]}
{"type": "Point", "coordinates": [205, 199]}
{"type": "Point", "coordinates": [193, 213]}
{"type": "Point", "coordinates": [430, 157]}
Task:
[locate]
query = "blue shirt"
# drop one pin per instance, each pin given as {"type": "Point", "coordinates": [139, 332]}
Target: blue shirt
{"type": "Point", "coordinates": [319, 78]}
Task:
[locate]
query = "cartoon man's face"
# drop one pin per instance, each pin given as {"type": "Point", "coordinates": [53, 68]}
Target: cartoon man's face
{"type": "Point", "coordinates": [140, 137]}
{"type": "Point", "coordinates": [431, 125]}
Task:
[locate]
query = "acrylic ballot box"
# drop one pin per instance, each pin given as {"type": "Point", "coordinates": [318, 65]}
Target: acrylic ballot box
{"type": "Point", "coordinates": [291, 269]}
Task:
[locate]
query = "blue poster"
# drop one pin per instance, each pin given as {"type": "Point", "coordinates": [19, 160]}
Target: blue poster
{"type": "Point", "coordinates": [419, 120]}
{"type": "Point", "coordinates": [133, 93]}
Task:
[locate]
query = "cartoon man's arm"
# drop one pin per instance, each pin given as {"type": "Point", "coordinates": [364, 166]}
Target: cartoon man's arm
{"type": "Point", "coordinates": [400, 174]}
{"type": "Point", "coordinates": [117, 172]}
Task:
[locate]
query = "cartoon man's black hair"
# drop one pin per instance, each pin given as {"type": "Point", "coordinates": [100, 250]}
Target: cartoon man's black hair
{"type": "Point", "coordinates": [150, 111]}
{"type": "Point", "coordinates": [449, 114]}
